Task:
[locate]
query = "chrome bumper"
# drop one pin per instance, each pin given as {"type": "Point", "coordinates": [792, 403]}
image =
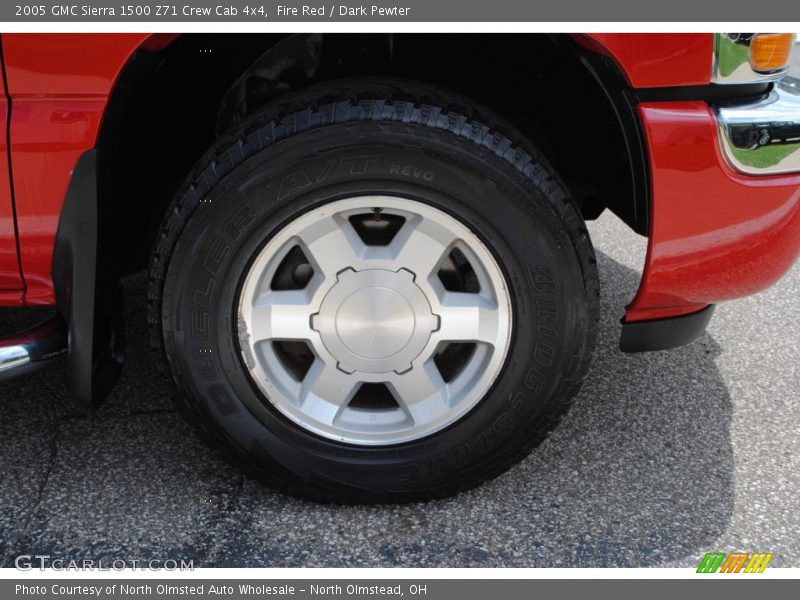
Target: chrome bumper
{"type": "Point", "coordinates": [763, 138]}
{"type": "Point", "coordinates": [32, 349]}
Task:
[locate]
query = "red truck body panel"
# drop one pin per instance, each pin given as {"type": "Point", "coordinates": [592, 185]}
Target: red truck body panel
{"type": "Point", "coordinates": [10, 277]}
{"type": "Point", "coordinates": [714, 234]}
{"type": "Point", "coordinates": [656, 59]}
{"type": "Point", "coordinates": [59, 85]}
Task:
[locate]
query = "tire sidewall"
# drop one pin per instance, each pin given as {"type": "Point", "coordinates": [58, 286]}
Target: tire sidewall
{"type": "Point", "coordinates": [234, 220]}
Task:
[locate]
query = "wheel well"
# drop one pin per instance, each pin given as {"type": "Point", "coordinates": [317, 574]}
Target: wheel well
{"type": "Point", "coordinates": [168, 107]}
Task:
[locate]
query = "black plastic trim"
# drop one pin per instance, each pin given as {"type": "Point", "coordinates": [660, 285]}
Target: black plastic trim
{"type": "Point", "coordinates": [712, 93]}
{"type": "Point", "coordinates": [91, 310]}
{"type": "Point", "coordinates": [623, 101]}
{"type": "Point", "coordinates": [663, 334]}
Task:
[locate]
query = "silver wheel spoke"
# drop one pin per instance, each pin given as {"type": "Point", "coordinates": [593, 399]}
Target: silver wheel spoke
{"type": "Point", "coordinates": [467, 318]}
{"type": "Point", "coordinates": [421, 392]}
{"type": "Point", "coordinates": [420, 246]}
{"type": "Point", "coordinates": [332, 245]}
{"type": "Point", "coordinates": [282, 316]}
{"type": "Point", "coordinates": [325, 392]}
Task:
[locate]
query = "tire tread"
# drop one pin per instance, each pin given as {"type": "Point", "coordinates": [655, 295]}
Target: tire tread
{"type": "Point", "coordinates": [357, 100]}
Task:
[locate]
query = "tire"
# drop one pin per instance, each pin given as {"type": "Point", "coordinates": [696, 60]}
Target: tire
{"type": "Point", "coordinates": [414, 146]}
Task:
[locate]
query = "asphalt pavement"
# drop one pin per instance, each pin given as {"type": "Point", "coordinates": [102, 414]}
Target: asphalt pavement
{"type": "Point", "coordinates": [665, 456]}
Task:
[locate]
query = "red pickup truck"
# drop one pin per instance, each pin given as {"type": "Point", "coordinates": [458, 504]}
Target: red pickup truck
{"type": "Point", "coordinates": [370, 275]}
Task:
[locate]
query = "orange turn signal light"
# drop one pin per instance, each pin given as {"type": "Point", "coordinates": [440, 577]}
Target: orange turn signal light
{"type": "Point", "coordinates": [770, 52]}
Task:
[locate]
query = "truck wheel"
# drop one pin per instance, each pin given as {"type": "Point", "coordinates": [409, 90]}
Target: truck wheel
{"type": "Point", "coordinates": [374, 291]}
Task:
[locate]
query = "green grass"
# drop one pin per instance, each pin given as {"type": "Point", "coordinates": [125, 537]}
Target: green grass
{"type": "Point", "coordinates": [766, 156]}
{"type": "Point", "coordinates": [731, 56]}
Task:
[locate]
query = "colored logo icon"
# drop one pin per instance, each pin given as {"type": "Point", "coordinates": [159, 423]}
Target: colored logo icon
{"type": "Point", "coordinates": [736, 562]}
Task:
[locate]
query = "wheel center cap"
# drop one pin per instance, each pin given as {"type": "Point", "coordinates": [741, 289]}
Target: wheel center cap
{"type": "Point", "coordinates": [375, 321]}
